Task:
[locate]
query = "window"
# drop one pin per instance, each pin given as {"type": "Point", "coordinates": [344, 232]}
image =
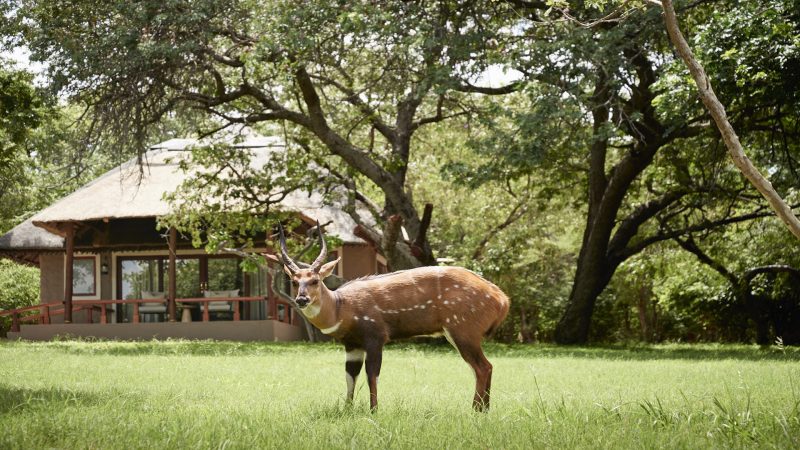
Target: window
{"type": "Point", "coordinates": [283, 312]}
{"type": "Point", "coordinates": [224, 274]}
{"type": "Point", "coordinates": [283, 284]}
{"type": "Point", "coordinates": [83, 276]}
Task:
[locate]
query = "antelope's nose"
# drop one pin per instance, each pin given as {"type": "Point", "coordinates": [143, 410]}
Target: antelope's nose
{"type": "Point", "coordinates": [302, 301]}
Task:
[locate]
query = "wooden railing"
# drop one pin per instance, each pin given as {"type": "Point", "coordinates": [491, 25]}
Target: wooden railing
{"type": "Point", "coordinates": [44, 312]}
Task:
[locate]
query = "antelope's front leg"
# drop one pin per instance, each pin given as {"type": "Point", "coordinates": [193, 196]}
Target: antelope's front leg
{"type": "Point", "coordinates": [374, 359]}
{"type": "Point", "coordinates": [353, 362]}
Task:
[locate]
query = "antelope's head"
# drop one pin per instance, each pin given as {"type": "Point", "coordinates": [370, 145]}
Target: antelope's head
{"type": "Point", "coordinates": [307, 279]}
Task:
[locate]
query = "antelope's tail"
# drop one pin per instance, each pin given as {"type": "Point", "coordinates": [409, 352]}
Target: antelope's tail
{"type": "Point", "coordinates": [504, 304]}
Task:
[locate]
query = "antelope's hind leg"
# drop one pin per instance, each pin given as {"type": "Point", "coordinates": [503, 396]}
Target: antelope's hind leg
{"type": "Point", "coordinates": [353, 362]}
{"type": "Point", "coordinates": [471, 351]}
{"type": "Point", "coordinates": [374, 360]}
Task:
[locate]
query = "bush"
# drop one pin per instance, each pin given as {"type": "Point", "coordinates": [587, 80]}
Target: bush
{"type": "Point", "coordinates": [19, 287]}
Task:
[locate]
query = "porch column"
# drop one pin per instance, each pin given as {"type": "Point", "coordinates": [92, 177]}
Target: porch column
{"type": "Point", "coordinates": [69, 237]}
{"type": "Point", "coordinates": [173, 237]}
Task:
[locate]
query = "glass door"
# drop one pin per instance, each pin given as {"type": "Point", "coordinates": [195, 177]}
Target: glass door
{"type": "Point", "coordinates": [138, 278]}
{"type": "Point", "coordinates": [148, 277]}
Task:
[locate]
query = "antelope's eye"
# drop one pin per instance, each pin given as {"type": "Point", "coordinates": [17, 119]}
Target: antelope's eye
{"type": "Point", "coordinates": [295, 283]}
{"type": "Point", "coordinates": [313, 282]}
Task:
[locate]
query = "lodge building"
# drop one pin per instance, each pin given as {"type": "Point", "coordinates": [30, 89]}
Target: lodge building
{"type": "Point", "coordinates": [108, 272]}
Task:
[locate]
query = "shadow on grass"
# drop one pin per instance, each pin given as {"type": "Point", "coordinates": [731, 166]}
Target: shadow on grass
{"type": "Point", "coordinates": [697, 352]}
{"type": "Point", "coordinates": [15, 400]}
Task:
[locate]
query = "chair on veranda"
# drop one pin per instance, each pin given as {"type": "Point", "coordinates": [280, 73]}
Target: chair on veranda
{"type": "Point", "coordinates": [155, 310]}
{"type": "Point", "coordinates": [221, 306]}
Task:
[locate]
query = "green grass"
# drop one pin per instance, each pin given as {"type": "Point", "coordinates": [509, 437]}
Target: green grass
{"type": "Point", "coordinates": [183, 394]}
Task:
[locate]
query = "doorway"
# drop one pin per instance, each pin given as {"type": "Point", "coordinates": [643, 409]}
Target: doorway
{"type": "Point", "coordinates": [141, 277]}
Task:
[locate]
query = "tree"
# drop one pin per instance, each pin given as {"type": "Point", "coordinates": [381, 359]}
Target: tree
{"type": "Point", "coordinates": [644, 180]}
{"type": "Point", "coordinates": [359, 78]}
{"type": "Point", "coordinates": [22, 110]}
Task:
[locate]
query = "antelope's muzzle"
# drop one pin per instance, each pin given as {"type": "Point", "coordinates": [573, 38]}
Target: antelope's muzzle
{"type": "Point", "coordinates": [302, 301]}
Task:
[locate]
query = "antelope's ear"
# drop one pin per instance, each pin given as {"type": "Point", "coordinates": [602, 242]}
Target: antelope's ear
{"type": "Point", "coordinates": [327, 269]}
{"type": "Point", "coordinates": [274, 258]}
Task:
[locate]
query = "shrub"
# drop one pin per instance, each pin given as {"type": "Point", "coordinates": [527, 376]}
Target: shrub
{"type": "Point", "coordinates": [19, 287]}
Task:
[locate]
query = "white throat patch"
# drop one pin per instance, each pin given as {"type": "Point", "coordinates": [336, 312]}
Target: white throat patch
{"type": "Point", "coordinates": [312, 310]}
{"type": "Point", "coordinates": [332, 329]}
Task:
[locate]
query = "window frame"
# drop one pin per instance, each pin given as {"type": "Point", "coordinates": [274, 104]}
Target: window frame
{"type": "Point", "coordinates": [95, 275]}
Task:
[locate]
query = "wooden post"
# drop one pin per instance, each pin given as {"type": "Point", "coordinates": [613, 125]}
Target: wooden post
{"type": "Point", "coordinates": [236, 315]}
{"type": "Point", "coordinates": [206, 317]}
{"type": "Point", "coordinates": [136, 312]}
{"type": "Point", "coordinates": [70, 254]}
{"type": "Point", "coordinates": [247, 307]}
{"type": "Point", "coordinates": [46, 313]}
{"type": "Point", "coordinates": [173, 237]}
{"type": "Point", "coordinates": [103, 318]}
{"type": "Point", "coordinates": [15, 322]}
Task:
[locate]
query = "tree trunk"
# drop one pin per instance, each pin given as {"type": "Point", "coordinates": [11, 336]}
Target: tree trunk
{"type": "Point", "coordinates": [525, 333]}
{"type": "Point", "coordinates": [573, 328]}
{"type": "Point", "coordinates": [644, 322]}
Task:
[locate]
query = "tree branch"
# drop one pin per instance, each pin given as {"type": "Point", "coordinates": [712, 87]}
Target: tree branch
{"type": "Point", "coordinates": [717, 111]}
{"type": "Point", "coordinates": [502, 90]}
{"type": "Point", "coordinates": [515, 214]}
{"type": "Point", "coordinates": [353, 98]}
{"type": "Point", "coordinates": [773, 268]}
{"type": "Point", "coordinates": [629, 226]}
{"type": "Point", "coordinates": [671, 234]}
{"type": "Point", "coordinates": [690, 246]}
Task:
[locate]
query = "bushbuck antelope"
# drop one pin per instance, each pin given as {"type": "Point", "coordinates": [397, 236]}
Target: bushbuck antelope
{"type": "Point", "coordinates": [367, 312]}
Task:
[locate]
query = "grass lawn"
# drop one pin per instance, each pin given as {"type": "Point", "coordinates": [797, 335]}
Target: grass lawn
{"type": "Point", "coordinates": [181, 394]}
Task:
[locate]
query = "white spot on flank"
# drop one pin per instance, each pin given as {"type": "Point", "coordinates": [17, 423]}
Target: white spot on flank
{"type": "Point", "coordinates": [332, 329]}
{"type": "Point", "coordinates": [356, 317]}
{"type": "Point", "coordinates": [487, 296]}
{"type": "Point", "coordinates": [446, 302]}
{"type": "Point", "coordinates": [366, 318]}
{"type": "Point", "coordinates": [439, 296]}
{"type": "Point", "coordinates": [446, 289]}
{"type": "Point", "coordinates": [456, 286]}
{"type": "Point", "coordinates": [430, 301]}
{"type": "Point", "coordinates": [447, 320]}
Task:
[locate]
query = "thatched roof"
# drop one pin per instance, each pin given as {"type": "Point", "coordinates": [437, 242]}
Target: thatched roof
{"type": "Point", "coordinates": [132, 190]}
{"type": "Point", "coordinates": [27, 236]}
